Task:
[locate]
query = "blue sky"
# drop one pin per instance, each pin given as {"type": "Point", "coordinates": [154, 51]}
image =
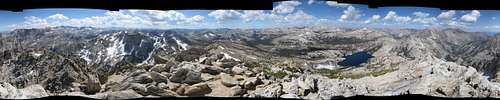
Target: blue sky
{"type": "Point", "coordinates": [284, 14]}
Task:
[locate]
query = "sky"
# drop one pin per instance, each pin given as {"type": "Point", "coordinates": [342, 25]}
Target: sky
{"type": "Point", "coordinates": [284, 14]}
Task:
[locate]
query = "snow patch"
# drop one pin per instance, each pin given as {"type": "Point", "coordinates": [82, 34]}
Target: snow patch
{"type": "Point", "coordinates": [211, 34]}
{"type": "Point", "coordinates": [227, 56]}
{"type": "Point", "coordinates": [222, 47]}
{"type": "Point", "coordinates": [202, 59]}
{"type": "Point", "coordinates": [115, 52]}
{"type": "Point", "coordinates": [173, 48]}
{"type": "Point", "coordinates": [159, 43]}
{"type": "Point", "coordinates": [147, 59]}
{"type": "Point", "coordinates": [31, 72]}
{"type": "Point", "coordinates": [36, 54]}
{"type": "Point", "coordinates": [85, 55]}
{"type": "Point", "coordinates": [183, 45]}
{"type": "Point", "coordinates": [251, 57]}
{"type": "Point", "coordinates": [325, 66]}
{"type": "Point", "coordinates": [140, 44]}
{"type": "Point", "coordinates": [486, 77]}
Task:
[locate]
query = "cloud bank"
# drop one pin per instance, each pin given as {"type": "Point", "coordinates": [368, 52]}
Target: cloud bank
{"type": "Point", "coordinates": [286, 13]}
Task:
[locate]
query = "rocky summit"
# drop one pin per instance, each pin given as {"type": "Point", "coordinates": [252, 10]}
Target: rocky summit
{"type": "Point", "coordinates": [296, 62]}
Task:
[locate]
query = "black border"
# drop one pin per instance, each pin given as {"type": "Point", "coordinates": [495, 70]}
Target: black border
{"type": "Point", "coordinates": [114, 5]}
{"type": "Point", "coordinates": [357, 97]}
{"type": "Point", "coordinates": [441, 4]}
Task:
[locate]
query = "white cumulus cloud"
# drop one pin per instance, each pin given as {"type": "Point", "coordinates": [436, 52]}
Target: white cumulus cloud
{"type": "Point", "coordinates": [424, 18]}
{"type": "Point", "coordinates": [311, 1]}
{"type": "Point", "coordinates": [286, 7]}
{"type": "Point", "coordinates": [448, 15]}
{"type": "Point", "coordinates": [299, 16]}
{"type": "Point", "coordinates": [448, 19]}
{"type": "Point", "coordinates": [223, 15]}
{"type": "Point", "coordinates": [167, 17]}
{"type": "Point", "coordinates": [421, 14]}
{"type": "Point", "coordinates": [336, 4]}
{"type": "Point", "coordinates": [350, 14]}
{"type": "Point", "coordinates": [255, 15]}
{"type": "Point", "coordinates": [58, 17]}
{"type": "Point", "coordinates": [32, 22]}
{"type": "Point", "coordinates": [373, 19]}
{"type": "Point", "coordinates": [471, 17]}
{"type": "Point", "coordinates": [393, 16]}
{"type": "Point", "coordinates": [127, 19]}
{"type": "Point", "coordinates": [197, 19]}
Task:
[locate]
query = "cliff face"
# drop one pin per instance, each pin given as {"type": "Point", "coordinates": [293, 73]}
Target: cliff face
{"type": "Point", "coordinates": [486, 55]}
{"type": "Point", "coordinates": [275, 62]}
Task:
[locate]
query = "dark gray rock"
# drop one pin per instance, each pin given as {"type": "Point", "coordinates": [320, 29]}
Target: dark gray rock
{"type": "Point", "coordinates": [143, 78]}
{"type": "Point", "coordinates": [251, 82]}
{"type": "Point", "coordinates": [139, 88]}
{"type": "Point", "coordinates": [213, 70]}
{"type": "Point", "coordinates": [184, 75]}
{"type": "Point", "coordinates": [92, 86]}
{"type": "Point", "coordinates": [157, 77]}
{"type": "Point", "coordinates": [160, 68]}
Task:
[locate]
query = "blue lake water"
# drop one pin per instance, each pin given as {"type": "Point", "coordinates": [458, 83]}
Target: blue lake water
{"type": "Point", "coordinates": [355, 59]}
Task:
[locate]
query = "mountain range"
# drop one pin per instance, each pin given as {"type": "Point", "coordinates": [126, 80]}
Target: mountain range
{"type": "Point", "coordinates": [294, 62]}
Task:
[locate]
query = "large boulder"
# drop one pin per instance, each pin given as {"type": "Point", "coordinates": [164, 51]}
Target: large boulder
{"type": "Point", "coordinates": [92, 86]}
{"type": "Point", "coordinates": [250, 83]}
{"type": "Point", "coordinates": [199, 89]}
{"type": "Point", "coordinates": [173, 86]}
{"type": "Point", "coordinates": [226, 63]}
{"type": "Point", "coordinates": [157, 77]}
{"type": "Point", "coordinates": [8, 91]}
{"type": "Point", "coordinates": [180, 90]}
{"type": "Point", "coordinates": [237, 90]}
{"type": "Point", "coordinates": [213, 70]}
{"type": "Point", "coordinates": [249, 73]}
{"type": "Point", "coordinates": [33, 91]}
{"type": "Point", "coordinates": [185, 75]}
{"type": "Point", "coordinates": [143, 78]}
{"type": "Point", "coordinates": [127, 94]}
{"type": "Point", "coordinates": [290, 87]}
{"type": "Point", "coordinates": [61, 83]}
{"type": "Point", "coordinates": [212, 58]}
{"type": "Point", "coordinates": [227, 80]}
{"type": "Point", "coordinates": [187, 72]}
{"type": "Point", "coordinates": [157, 91]}
{"type": "Point", "coordinates": [273, 90]}
{"type": "Point", "coordinates": [160, 68]}
{"type": "Point", "coordinates": [139, 76]}
{"type": "Point", "coordinates": [138, 88]}
{"type": "Point", "coordinates": [237, 70]}
{"type": "Point", "coordinates": [306, 85]}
